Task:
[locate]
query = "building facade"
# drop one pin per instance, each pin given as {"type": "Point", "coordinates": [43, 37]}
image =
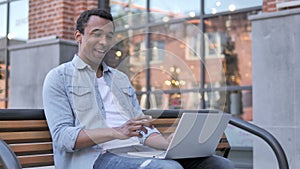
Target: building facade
{"type": "Point", "coordinates": [199, 64]}
{"type": "Point", "coordinates": [275, 58]}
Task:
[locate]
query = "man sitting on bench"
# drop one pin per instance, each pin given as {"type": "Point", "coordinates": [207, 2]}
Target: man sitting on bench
{"type": "Point", "coordinates": [91, 108]}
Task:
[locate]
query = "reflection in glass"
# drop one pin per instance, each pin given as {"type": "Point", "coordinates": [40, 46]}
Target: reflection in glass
{"type": "Point", "coordinates": [3, 32]}
{"type": "Point", "coordinates": [216, 6]}
{"type": "Point", "coordinates": [3, 14]}
{"type": "Point", "coordinates": [128, 13]}
{"type": "Point", "coordinates": [174, 50]}
{"type": "Point", "coordinates": [2, 82]}
{"type": "Point", "coordinates": [165, 10]}
{"type": "Point", "coordinates": [18, 21]}
{"type": "Point", "coordinates": [3, 48]}
{"type": "Point", "coordinates": [229, 38]}
{"type": "Point", "coordinates": [170, 69]}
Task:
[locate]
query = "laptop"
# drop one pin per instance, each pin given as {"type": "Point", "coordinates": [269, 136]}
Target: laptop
{"type": "Point", "coordinates": [197, 135]}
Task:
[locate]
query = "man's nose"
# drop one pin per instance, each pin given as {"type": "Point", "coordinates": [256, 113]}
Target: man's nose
{"type": "Point", "coordinates": [103, 40]}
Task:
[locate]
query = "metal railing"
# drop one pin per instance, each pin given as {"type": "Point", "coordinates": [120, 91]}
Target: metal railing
{"type": "Point", "coordinates": [266, 136]}
{"type": "Point", "coordinates": [244, 125]}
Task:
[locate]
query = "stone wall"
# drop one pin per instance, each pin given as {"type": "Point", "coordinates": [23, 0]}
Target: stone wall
{"type": "Point", "coordinates": [276, 94]}
{"type": "Point", "coordinates": [29, 64]}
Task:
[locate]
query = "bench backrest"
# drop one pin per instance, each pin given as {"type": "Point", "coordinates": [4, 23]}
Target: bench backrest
{"type": "Point", "coordinates": [27, 133]}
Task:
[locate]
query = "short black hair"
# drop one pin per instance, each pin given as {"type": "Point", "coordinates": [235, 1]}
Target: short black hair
{"type": "Point", "coordinates": [85, 16]}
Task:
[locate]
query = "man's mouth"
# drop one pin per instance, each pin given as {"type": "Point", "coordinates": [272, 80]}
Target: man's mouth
{"type": "Point", "coordinates": [101, 51]}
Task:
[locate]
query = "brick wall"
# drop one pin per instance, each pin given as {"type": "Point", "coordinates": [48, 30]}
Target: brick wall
{"type": "Point", "coordinates": [271, 5]}
{"type": "Point", "coordinates": [56, 17]}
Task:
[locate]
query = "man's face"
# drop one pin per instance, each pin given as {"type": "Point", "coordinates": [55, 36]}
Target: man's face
{"type": "Point", "coordinates": [96, 40]}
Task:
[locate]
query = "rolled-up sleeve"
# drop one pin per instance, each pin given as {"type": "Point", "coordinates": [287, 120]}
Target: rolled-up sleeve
{"type": "Point", "coordinates": [58, 111]}
{"type": "Point", "coordinates": [149, 132]}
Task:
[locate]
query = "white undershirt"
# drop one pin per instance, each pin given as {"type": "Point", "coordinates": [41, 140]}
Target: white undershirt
{"type": "Point", "coordinates": [115, 116]}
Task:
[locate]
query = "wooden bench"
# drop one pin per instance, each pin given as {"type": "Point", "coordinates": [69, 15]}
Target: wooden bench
{"type": "Point", "coordinates": [27, 134]}
{"type": "Point", "coordinates": [26, 131]}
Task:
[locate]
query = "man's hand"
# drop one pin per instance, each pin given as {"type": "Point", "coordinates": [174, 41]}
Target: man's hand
{"type": "Point", "coordinates": [132, 127]}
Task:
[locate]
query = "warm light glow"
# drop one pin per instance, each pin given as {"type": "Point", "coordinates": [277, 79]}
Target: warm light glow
{"type": "Point", "coordinates": [119, 36]}
{"type": "Point", "coordinates": [172, 69]}
{"type": "Point", "coordinates": [232, 78]}
{"type": "Point", "coordinates": [118, 53]}
{"type": "Point", "coordinates": [231, 7]}
{"type": "Point", "coordinates": [182, 82]}
{"type": "Point", "coordinates": [167, 82]}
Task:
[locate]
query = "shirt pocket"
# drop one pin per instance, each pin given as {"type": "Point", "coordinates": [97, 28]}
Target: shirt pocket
{"type": "Point", "coordinates": [82, 98]}
{"type": "Point", "coordinates": [128, 91]}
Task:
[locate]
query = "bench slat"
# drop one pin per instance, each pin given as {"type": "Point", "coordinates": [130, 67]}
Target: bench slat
{"type": "Point", "coordinates": [36, 160]}
{"type": "Point", "coordinates": [32, 148]}
{"type": "Point", "coordinates": [165, 121]}
{"type": "Point", "coordinates": [23, 125]}
{"type": "Point", "coordinates": [23, 137]}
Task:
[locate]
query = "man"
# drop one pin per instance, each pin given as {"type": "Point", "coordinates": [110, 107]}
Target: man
{"type": "Point", "coordinates": [92, 110]}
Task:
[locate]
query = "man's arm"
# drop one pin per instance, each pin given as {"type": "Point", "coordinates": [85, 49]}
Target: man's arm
{"type": "Point", "coordinates": [129, 129]}
{"type": "Point", "coordinates": [156, 140]}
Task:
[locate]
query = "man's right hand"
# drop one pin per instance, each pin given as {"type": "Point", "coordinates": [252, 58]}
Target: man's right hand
{"type": "Point", "coordinates": [132, 127]}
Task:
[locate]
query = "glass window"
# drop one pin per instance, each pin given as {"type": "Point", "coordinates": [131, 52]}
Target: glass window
{"type": "Point", "coordinates": [128, 13]}
{"type": "Point", "coordinates": [216, 6]}
{"type": "Point", "coordinates": [228, 59]}
{"type": "Point", "coordinates": [18, 23]}
{"type": "Point", "coordinates": [165, 10]}
{"type": "Point", "coordinates": [171, 71]}
{"type": "Point", "coordinates": [119, 8]}
{"type": "Point", "coordinates": [175, 47]}
{"type": "Point", "coordinates": [229, 39]}
{"type": "Point", "coordinates": [193, 40]}
{"type": "Point", "coordinates": [3, 25]}
{"type": "Point", "coordinates": [3, 14]}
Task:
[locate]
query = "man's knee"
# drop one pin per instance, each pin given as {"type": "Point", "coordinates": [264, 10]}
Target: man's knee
{"type": "Point", "coordinates": [164, 164]}
{"type": "Point", "coordinates": [217, 162]}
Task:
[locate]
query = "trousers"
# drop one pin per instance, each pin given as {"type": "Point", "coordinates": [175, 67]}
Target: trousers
{"type": "Point", "coordinates": [113, 161]}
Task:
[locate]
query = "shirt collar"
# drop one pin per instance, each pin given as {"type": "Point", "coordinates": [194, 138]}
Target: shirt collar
{"type": "Point", "coordinates": [80, 64]}
{"type": "Point", "coordinates": [105, 67]}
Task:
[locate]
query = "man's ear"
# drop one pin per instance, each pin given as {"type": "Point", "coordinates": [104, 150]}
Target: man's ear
{"type": "Point", "coordinates": [78, 36]}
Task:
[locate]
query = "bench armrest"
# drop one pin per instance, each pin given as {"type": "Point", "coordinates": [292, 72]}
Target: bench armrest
{"type": "Point", "coordinates": [266, 136]}
{"type": "Point", "coordinates": [8, 157]}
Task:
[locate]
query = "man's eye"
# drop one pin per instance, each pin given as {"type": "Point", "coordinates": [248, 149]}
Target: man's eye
{"type": "Point", "coordinates": [109, 37]}
{"type": "Point", "coordinates": [97, 34]}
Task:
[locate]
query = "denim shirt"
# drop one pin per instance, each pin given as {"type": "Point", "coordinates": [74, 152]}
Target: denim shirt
{"type": "Point", "coordinates": [72, 102]}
